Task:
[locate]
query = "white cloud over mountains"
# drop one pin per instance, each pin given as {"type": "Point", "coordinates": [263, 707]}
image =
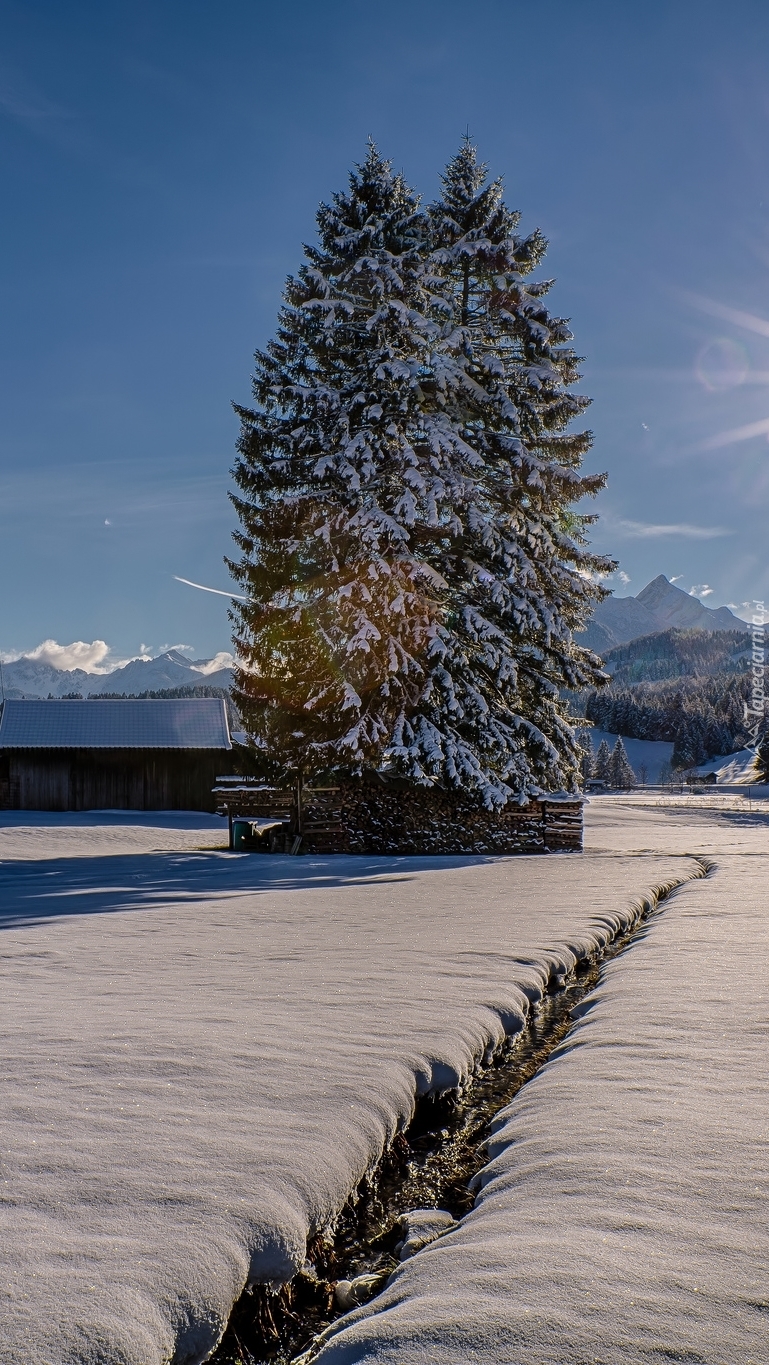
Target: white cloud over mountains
{"type": "Point", "coordinates": [94, 658]}
{"type": "Point", "coordinates": [89, 657]}
{"type": "Point", "coordinates": [220, 660]}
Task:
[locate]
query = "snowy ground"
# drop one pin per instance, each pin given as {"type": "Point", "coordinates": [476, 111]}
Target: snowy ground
{"type": "Point", "coordinates": [42, 834]}
{"type": "Point", "coordinates": [203, 1053]}
{"type": "Point", "coordinates": [622, 1217]}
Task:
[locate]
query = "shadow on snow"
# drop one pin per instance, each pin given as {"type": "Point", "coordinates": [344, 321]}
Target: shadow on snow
{"type": "Point", "coordinates": [36, 891]}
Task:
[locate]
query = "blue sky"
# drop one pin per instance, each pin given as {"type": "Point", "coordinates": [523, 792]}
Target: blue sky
{"type": "Point", "coordinates": [162, 163]}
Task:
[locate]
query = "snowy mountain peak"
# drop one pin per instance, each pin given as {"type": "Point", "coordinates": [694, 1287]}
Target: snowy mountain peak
{"type": "Point", "coordinates": [682, 610]}
{"type": "Point", "coordinates": [29, 677]}
{"type": "Point", "coordinates": [658, 607]}
{"type": "Point", "coordinates": [659, 590]}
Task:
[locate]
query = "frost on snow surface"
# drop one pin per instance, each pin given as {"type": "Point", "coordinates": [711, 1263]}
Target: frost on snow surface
{"type": "Point", "coordinates": [203, 1054]}
{"type": "Point", "coordinates": [621, 1219]}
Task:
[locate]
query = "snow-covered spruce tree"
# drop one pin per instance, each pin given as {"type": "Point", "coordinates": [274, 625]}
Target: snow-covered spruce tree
{"type": "Point", "coordinates": [622, 776]}
{"type": "Point", "coordinates": [603, 762]}
{"type": "Point", "coordinates": [510, 547]}
{"type": "Point", "coordinates": [586, 756]}
{"type": "Point", "coordinates": [341, 611]}
{"type": "Point", "coordinates": [411, 559]}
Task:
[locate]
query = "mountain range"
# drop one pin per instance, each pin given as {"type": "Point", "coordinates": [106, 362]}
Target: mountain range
{"type": "Point", "coordinates": [28, 678]}
{"type": "Point", "coordinates": [660, 606]}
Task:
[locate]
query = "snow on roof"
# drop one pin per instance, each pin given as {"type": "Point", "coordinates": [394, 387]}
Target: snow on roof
{"type": "Point", "coordinates": [183, 723]}
{"type": "Point", "coordinates": [740, 769]}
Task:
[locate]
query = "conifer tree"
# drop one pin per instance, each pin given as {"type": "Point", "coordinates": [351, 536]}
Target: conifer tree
{"type": "Point", "coordinates": [762, 755]}
{"type": "Point", "coordinates": [520, 577]}
{"type": "Point", "coordinates": [603, 762]}
{"type": "Point", "coordinates": [587, 760]}
{"type": "Point", "coordinates": [621, 774]}
{"type": "Point", "coordinates": [340, 611]}
{"type": "Point", "coordinates": [412, 562]}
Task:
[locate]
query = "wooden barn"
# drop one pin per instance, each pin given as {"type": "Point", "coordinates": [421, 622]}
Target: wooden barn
{"type": "Point", "coordinates": [112, 755]}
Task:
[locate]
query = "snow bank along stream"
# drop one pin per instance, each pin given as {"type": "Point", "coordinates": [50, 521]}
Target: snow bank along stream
{"type": "Point", "coordinates": [423, 1184]}
{"type": "Point", "coordinates": [622, 1216]}
{"type": "Point", "coordinates": [204, 1055]}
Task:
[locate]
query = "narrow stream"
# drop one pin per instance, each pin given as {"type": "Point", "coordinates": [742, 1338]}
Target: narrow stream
{"type": "Point", "coordinates": [430, 1165]}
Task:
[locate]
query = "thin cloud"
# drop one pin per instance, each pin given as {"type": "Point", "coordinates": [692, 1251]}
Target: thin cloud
{"type": "Point", "coordinates": [31, 109]}
{"type": "Point", "coordinates": [700, 590]}
{"type": "Point", "coordinates": [727, 438]}
{"type": "Point", "coordinates": [751, 322]}
{"type": "Point", "coordinates": [202, 588]}
{"type": "Point", "coordinates": [644, 530]}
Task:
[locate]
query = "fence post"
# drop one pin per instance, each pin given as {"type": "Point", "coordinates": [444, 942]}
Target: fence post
{"type": "Point", "coordinates": [299, 813]}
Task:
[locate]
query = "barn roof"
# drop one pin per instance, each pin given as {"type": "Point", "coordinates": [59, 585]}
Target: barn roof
{"type": "Point", "coordinates": [183, 723]}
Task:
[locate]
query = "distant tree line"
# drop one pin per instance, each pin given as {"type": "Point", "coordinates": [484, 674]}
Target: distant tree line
{"type": "Point", "coordinates": [611, 766]}
{"type": "Point", "coordinates": [702, 717]}
{"type": "Point", "coordinates": [678, 654]}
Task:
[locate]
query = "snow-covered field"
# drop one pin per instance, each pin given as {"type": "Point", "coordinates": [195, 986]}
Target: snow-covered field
{"type": "Point", "coordinates": [204, 1053]}
{"type": "Point", "coordinates": [33, 835]}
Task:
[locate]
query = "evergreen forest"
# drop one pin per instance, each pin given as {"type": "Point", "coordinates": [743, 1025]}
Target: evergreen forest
{"type": "Point", "coordinates": [687, 687]}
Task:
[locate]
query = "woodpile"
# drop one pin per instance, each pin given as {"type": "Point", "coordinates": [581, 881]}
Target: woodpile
{"type": "Point", "coordinates": [395, 818]}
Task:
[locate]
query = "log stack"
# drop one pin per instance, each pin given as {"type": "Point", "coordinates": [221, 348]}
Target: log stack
{"type": "Point", "coordinates": [396, 818]}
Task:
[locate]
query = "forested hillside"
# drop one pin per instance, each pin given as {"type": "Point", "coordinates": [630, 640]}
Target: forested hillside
{"type": "Point", "coordinates": [687, 687]}
{"type": "Point", "coordinates": [701, 716]}
{"type": "Point", "coordinates": [678, 654]}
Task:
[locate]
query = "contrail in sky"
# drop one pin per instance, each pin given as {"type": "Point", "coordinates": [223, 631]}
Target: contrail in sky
{"type": "Point", "coordinates": [749, 321]}
{"type": "Point", "coordinates": [203, 588]}
{"type": "Point", "coordinates": [727, 438]}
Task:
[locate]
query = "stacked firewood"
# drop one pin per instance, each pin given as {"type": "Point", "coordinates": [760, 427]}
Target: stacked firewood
{"type": "Point", "coordinates": [396, 818]}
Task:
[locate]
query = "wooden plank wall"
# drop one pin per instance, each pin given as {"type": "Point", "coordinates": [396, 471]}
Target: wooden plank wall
{"type": "Point", "coordinates": [109, 779]}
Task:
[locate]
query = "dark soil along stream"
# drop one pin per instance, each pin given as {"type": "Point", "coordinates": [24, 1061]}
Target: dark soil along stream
{"type": "Point", "coordinates": [430, 1165]}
